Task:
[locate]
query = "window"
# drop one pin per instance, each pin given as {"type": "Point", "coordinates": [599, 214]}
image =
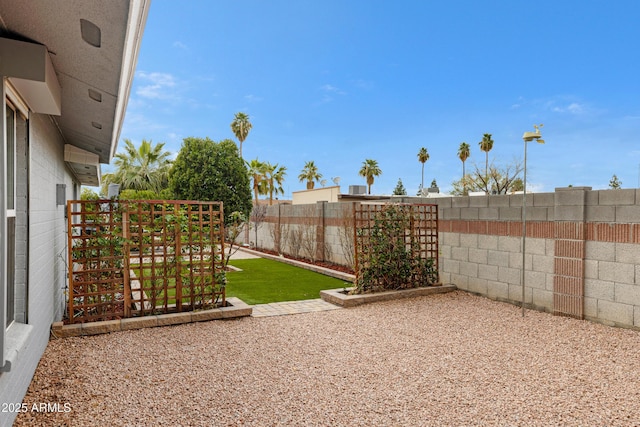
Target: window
{"type": "Point", "coordinates": [10, 203]}
{"type": "Point", "coordinates": [14, 205]}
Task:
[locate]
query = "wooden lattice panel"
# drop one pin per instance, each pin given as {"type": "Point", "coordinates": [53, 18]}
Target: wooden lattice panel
{"type": "Point", "coordinates": [152, 257]}
{"type": "Point", "coordinates": [96, 261]}
{"type": "Point", "coordinates": [408, 234]}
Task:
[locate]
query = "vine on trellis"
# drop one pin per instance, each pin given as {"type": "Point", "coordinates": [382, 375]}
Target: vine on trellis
{"type": "Point", "coordinates": [396, 247]}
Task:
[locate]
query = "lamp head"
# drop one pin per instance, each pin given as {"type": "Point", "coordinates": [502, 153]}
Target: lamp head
{"type": "Point", "coordinates": [530, 136]}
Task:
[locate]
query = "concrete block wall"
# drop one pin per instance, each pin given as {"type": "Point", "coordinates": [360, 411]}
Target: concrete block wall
{"type": "Point", "coordinates": [327, 227]}
{"type": "Point", "coordinates": [582, 253]}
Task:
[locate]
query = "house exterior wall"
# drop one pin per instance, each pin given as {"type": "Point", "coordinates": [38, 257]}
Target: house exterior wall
{"type": "Point", "coordinates": [326, 194]}
{"type": "Point", "coordinates": [44, 289]}
{"type": "Point", "coordinates": [582, 253]}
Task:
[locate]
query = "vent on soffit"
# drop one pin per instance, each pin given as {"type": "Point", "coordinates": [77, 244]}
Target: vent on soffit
{"type": "Point", "coordinates": [90, 33]}
{"type": "Point", "coordinates": [95, 95]}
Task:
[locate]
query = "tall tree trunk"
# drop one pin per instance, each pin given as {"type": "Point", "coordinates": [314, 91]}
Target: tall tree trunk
{"type": "Point", "coordinates": [464, 181]}
{"type": "Point", "coordinates": [486, 168]}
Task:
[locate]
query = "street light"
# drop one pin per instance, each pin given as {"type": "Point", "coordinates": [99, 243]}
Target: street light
{"type": "Point", "coordinates": [527, 137]}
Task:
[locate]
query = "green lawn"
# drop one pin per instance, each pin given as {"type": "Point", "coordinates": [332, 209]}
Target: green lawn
{"type": "Point", "coordinates": [263, 281]}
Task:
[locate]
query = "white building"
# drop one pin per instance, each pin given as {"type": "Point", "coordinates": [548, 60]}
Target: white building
{"type": "Point", "coordinates": [67, 69]}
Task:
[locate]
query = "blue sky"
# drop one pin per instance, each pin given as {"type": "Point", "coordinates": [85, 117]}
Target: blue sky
{"type": "Point", "coordinates": [340, 81]}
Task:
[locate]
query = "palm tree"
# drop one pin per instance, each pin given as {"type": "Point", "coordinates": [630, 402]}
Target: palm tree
{"type": "Point", "coordinates": [310, 174]}
{"type": "Point", "coordinates": [369, 171]}
{"type": "Point", "coordinates": [274, 177]}
{"type": "Point", "coordinates": [143, 168]}
{"type": "Point", "coordinates": [257, 174]}
{"type": "Point", "coordinates": [423, 156]}
{"type": "Point", "coordinates": [464, 152]}
{"type": "Point", "coordinates": [486, 145]}
{"type": "Point", "coordinates": [241, 127]}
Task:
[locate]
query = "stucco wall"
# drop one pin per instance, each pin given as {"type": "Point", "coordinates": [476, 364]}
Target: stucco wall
{"type": "Point", "coordinates": [326, 194]}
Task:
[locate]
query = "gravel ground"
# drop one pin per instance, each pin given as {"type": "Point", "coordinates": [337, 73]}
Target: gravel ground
{"type": "Point", "coordinates": [449, 359]}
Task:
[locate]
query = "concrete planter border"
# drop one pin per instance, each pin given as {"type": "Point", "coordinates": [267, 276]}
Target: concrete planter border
{"type": "Point", "coordinates": [236, 308]}
{"type": "Point", "coordinates": [339, 297]}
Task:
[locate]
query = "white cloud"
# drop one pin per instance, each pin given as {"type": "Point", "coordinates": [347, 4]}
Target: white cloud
{"type": "Point", "coordinates": [332, 89]}
{"type": "Point", "coordinates": [363, 84]}
{"type": "Point", "coordinates": [252, 98]}
{"type": "Point", "coordinates": [328, 92]}
{"type": "Point", "coordinates": [568, 104]}
{"type": "Point", "coordinates": [155, 85]}
{"type": "Point", "coordinates": [572, 108]}
{"type": "Point", "coordinates": [180, 45]}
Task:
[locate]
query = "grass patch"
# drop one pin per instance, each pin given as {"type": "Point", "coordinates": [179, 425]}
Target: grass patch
{"type": "Point", "coordinates": [262, 281]}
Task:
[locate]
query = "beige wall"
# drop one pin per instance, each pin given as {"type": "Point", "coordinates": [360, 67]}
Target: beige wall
{"type": "Point", "coordinates": [324, 194]}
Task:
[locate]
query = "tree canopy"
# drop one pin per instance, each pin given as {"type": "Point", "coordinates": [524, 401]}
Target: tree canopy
{"type": "Point", "coordinates": [257, 171]}
{"type": "Point", "coordinates": [143, 168]}
{"type": "Point", "coordinates": [310, 174]}
{"type": "Point", "coordinates": [615, 183]}
{"type": "Point", "coordinates": [369, 171]}
{"type": "Point", "coordinates": [498, 180]}
{"type": "Point", "coordinates": [399, 190]}
{"type": "Point", "coordinates": [486, 145]}
{"type": "Point", "coordinates": [273, 180]}
{"type": "Point", "coordinates": [464, 152]}
{"type": "Point", "coordinates": [240, 126]}
{"type": "Point", "coordinates": [423, 156]}
{"type": "Point", "coordinates": [209, 171]}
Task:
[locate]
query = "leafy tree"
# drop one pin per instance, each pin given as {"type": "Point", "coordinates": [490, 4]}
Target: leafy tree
{"type": "Point", "coordinates": [516, 185]}
{"type": "Point", "coordinates": [143, 168]}
{"type": "Point", "coordinates": [88, 194]}
{"type": "Point", "coordinates": [257, 174]}
{"type": "Point", "coordinates": [310, 174]}
{"type": "Point", "coordinates": [274, 177]}
{"type": "Point", "coordinates": [486, 145]}
{"type": "Point", "coordinates": [499, 180]}
{"type": "Point", "coordinates": [209, 171]}
{"type": "Point", "coordinates": [138, 195]}
{"type": "Point", "coordinates": [369, 171]}
{"type": "Point", "coordinates": [615, 183]}
{"type": "Point", "coordinates": [399, 190]}
{"type": "Point", "coordinates": [423, 156]}
{"type": "Point", "coordinates": [464, 152]}
{"type": "Point", "coordinates": [241, 127]}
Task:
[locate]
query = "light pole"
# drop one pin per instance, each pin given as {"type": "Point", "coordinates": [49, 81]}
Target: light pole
{"type": "Point", "coordinates": [527, 137]}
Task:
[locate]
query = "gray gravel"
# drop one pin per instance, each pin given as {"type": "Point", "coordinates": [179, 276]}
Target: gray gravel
{"type": "Point", "coordinates": [449, 359]}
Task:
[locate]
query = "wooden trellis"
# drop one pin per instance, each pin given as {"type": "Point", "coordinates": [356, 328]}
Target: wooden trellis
{"type": "Point", "coordinates": [396, 246]}
{"type": "Point", "coordinates": [135, 258]}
